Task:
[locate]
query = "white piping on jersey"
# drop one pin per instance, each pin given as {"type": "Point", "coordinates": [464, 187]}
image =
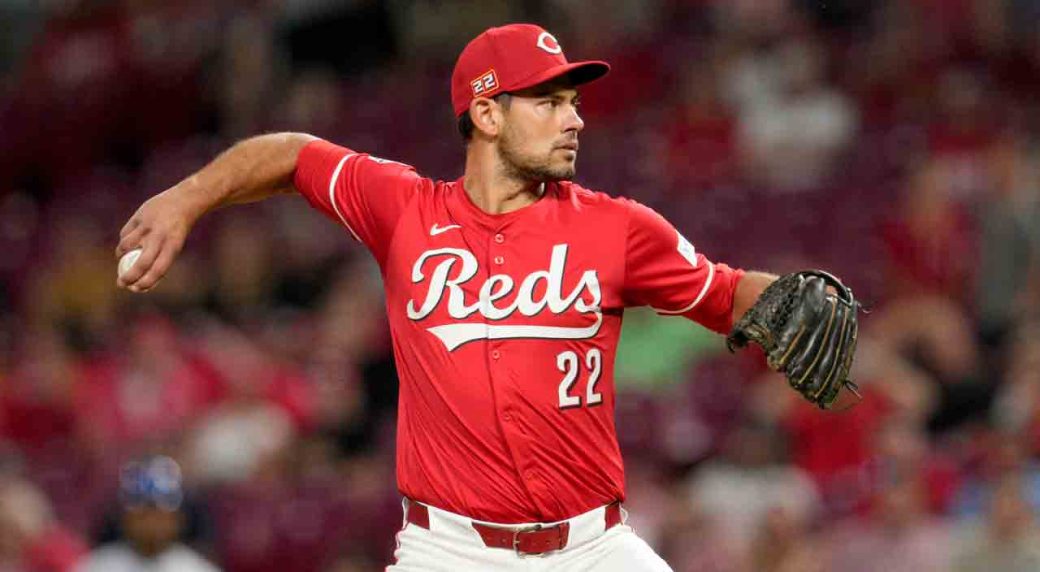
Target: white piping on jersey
{"type": "Point", "coordinates": [332, 194]}
{"type": "Point", "coordinates": [704, 290]}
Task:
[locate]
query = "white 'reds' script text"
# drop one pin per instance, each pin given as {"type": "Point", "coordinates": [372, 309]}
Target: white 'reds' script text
{"type": "Point", "coordinates": [496, 287]}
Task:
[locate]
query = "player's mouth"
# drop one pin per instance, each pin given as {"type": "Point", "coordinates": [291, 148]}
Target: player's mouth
{"type": "Point", "coordinates": [569, 146]}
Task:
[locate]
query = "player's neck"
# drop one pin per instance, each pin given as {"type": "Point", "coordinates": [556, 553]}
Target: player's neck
{"type": "Point", "coordinates": [493, 191]}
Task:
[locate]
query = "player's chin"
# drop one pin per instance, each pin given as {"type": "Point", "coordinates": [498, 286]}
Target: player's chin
{"type": "Point", "coordinates": [564, 170]}
{"type": "Point", "coordinates": [562, 173]}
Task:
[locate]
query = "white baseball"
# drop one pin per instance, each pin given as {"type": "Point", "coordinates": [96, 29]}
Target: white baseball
{"type": "Point", "coordinates": [126, 262]}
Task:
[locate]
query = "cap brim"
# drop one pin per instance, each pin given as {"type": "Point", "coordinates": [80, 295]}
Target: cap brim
{"type": "Point", "coordinates": [577, 72]}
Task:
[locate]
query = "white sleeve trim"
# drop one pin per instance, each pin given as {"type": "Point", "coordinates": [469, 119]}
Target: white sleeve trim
{"type": "Point", "coordinates": [704, 291]}
{"type": "Point", "coordinates": [332, 194]}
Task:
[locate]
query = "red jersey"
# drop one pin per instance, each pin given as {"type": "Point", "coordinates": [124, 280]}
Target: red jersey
{"type": "Point", "coordinates": [505, 328]}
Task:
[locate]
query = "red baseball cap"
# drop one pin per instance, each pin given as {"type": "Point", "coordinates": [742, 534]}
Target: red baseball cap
{"type": "Point", "coordinates": [511, 58]}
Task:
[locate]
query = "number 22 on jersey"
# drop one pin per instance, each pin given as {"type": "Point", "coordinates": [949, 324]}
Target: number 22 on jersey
{"type": "Point", "coordinates": [569, 363]}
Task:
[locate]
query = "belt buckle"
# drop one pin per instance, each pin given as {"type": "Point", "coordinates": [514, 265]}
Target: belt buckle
{"type": "Point", "coordinates": [516, 539]}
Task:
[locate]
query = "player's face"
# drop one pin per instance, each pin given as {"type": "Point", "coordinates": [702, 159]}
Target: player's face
{"type": "Point", "coordinates": [539, 140]}
{"type": "Point", "coordinates": [151, 530]}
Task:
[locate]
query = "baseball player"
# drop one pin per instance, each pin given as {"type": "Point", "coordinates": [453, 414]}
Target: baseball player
{"type": "Point", "coordinates": [504, 291]}
{"type": "Point", "coordinates": [151, 495]}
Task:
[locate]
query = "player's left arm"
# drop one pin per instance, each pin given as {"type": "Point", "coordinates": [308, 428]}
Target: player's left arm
{"type": "Point", "coordinates": [805, 321]}
{"type": "Point", "coordinates": [665, 271]}
{"type": "Point", "coordinates": [749, 288]}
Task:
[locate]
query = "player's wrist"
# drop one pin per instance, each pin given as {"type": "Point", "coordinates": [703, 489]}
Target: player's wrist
{"type": "Point", "coordinates": [190, 200]}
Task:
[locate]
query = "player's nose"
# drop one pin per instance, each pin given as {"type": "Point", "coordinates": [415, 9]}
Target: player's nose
{"type": "Point", "coordinates": [573, 121]}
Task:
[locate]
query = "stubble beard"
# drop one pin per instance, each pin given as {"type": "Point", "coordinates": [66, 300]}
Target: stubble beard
{"type": "Point", "coordinates": [529, 168]}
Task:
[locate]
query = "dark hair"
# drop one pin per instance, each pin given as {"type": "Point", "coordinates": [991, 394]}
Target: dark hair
{"type": "Point", "coordinates": [466, 126]}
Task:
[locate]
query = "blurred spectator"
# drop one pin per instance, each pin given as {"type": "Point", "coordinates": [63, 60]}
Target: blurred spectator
{"type": "Point", "coordinates": [804, 122]}
{"type": "Point", "coordinates": [901, 454]}
{"type": "Point", "coordinates": [31, 539]}
{"type": "Point", "coordinates": [1010, 239]}
{"type": "Point", "coordinates": [702, 137]}
{"type": "Point", "coordinates": [931, 241]}
{"type": "Point", "coordinates": [244, 274]}
{"type": "Point", "coordinates": [962, 133]}
{"type": "Point", "coordinates": [748, 480]}
{"type": "Point", "coordinates": [694, 539]}
{"type": "Point", "coordinates": [107, 54]}
{"type": "Point", "coordinates": [313, 104]}
{"type": "Point", "coordinates": [151, 494]}
{"type": "Point", "coordinates": [145, 394]}
{"type": "Point", "coordinates": [932, 339]}
{"type": "Point", "coordinates": [36, 399]}
{"type": "Point", "coordinates": [1017, 407]}
{"type": "Point", "coordinates": [353, 368]}
{"type": "Point", "coordinates": [440, 28]}
{"type": "Point", "coordinates": [1009, 540]}
{"type": "Point", "coordinates": [74, 289]}
{"type": "Point", "coordinates": [932, 333]}
{"type": "Point", "coordinates": [1003, 458]}
{"type": "Point", "coordinates": [247, 75]}
{"type": "Point", "coordinates": [835, 451]}
{"type": "Point", "coordinates": [649, 500]}
{"type": "Point", "coordinates": [898, 535]}
{"type": "Point", "coordinates": [82, 49]}
{"type": "Point", "coordinates": [264, 402]}
{"type": "Point", "coordinates": [784, 544]}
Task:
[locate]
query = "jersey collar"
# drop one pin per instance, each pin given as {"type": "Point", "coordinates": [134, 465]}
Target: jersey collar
{"type": "Point", "coordinates": [464, 210]}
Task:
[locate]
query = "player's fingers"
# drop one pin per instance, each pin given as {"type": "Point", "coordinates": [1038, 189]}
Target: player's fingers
{"type": "Point", "coordinates": [800, 330]}
{"type": "Point", "coordinates": [130, 240]}
{"type": "Point", "coordinates": [162, 264]}
{"type": "Point", "coordinates": [150, 248]}
{"type": "Point", "coordinates": [825, 383]}
{"type": "Point", "coordinates": [806, 360]}
{"type": "Point", "coordinates": [130, 225]}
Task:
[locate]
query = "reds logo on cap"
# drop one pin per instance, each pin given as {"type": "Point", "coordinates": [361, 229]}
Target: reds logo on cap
{"type": "Point", "coordinates": [512, 58]}
{"type": "Point", "coordinates": [548, 42]}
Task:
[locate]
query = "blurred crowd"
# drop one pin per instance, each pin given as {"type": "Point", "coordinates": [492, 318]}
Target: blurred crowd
{"type": "Point", "coordinates": [893, 142]}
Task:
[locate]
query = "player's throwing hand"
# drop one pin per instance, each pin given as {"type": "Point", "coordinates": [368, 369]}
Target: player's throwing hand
{"type": "Point", "coordinates": [249, 171]}
{"type": "Point", "coordinates": [158, 228]}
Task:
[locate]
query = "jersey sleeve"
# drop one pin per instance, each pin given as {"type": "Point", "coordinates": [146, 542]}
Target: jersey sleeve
{"type": "Point", "coordinates": [365, 194]}
{"type": "Point", "coordinates": [663, 270]}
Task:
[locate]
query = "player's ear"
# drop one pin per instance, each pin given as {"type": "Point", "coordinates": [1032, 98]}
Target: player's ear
{"type": "Point", "coordinates": [486, 115]}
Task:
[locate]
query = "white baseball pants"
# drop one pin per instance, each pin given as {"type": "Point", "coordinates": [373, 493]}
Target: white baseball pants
{"type": "Point", "coordinates": [451, 544]}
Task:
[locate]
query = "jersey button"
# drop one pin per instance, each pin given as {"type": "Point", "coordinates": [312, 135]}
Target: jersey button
{"type": "Point", "coordinates": [530, 475]}
{"type": "Point", "coordinates": [499, 238]}
{"type": "Point", "coordinates": [499, 260]}
{"type": "Point", "coordinates": [507, 417]}
{"type": "Point", "coordinates": [495, 354]}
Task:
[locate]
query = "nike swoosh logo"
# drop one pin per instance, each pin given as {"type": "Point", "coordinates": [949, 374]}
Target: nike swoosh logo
{"type": "Point", "coordinates": [435, 230]}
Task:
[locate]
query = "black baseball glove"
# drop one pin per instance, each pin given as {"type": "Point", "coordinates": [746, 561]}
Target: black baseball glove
{"type": "Point", "coordinates": [808, 334]}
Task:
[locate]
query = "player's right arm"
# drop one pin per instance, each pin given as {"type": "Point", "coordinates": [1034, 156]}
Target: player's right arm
{"type": "Point", "coordinates": [366, 195]}
{"type": "Point", "coordinates": [249, 171]}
